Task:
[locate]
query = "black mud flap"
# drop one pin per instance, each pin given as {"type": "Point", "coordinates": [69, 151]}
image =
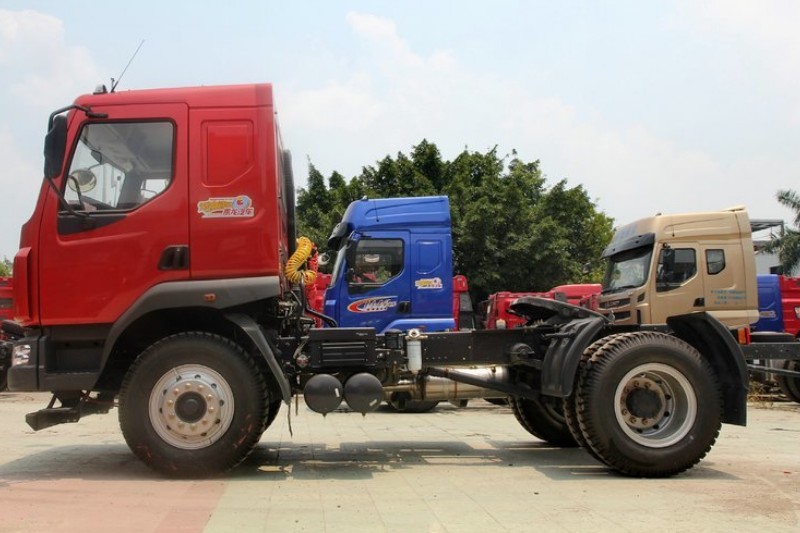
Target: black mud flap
{"type": "Point", "coordinates": [563, 356]}
{"type": "Point", "coordinates": [577, 328]}
{"type": "Point", "coordinates": [251, 328]}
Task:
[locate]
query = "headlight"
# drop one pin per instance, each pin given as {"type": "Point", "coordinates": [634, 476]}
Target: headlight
{"type": "Point", "coordinates": [21, 354]}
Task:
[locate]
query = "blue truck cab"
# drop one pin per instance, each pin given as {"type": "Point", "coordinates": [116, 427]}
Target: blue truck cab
{"type": "Point", "coordinates": [394, 265]}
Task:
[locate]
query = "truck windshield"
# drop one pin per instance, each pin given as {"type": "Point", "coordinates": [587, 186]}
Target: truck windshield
{"type": "Point", "coordinates": [627, 270]}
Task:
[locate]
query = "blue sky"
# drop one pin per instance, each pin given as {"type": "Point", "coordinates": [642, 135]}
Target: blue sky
{"type": "Point", "coordinates": [651, 106]}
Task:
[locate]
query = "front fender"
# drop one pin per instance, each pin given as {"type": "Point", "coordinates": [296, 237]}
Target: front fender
{"type": "Point", "coordinates": [251, 329]}
{"type": "Point", "coordinates": [714, 341]}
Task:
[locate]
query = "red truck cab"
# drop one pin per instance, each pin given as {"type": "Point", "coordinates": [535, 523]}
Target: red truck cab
{"type": "Point", "coordinates": [149, 196]}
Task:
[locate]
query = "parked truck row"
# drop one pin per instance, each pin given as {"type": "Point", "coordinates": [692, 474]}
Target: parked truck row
{"type": "Point", "coordinates": [151, 276]}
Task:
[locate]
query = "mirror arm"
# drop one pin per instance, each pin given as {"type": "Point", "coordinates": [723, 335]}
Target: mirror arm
{"type": "Point", "coordinates": [63, 202]}
{"type": "Point", "coordinates": [87, 110]}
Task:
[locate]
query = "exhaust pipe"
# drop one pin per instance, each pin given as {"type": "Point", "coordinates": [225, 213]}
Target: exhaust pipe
{"type": "Point", "coordinates": [437, 388]}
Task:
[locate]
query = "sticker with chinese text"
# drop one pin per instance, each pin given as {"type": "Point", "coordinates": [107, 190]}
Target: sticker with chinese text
{"type": "Point", "coordinates": [236, 207]}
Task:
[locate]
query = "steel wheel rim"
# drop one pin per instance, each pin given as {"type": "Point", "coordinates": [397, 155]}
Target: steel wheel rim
{"type": "Point", "coordinates": [191, 407]}
{"type": "Point", "coordinates": [655, 405]}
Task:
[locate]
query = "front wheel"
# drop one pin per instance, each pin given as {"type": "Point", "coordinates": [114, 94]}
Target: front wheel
{"type": "Point", "coordinates": [649, 404]}
{"type": "Point", "coordinates": [193, 404]}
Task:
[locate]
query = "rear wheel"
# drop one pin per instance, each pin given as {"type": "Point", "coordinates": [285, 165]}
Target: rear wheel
{"type": "Point", "coordinates": [401, 405]}
{"type": "Point", "coordinates": [498, 401]}
{"type": "Point", "coordinates": [193, 404]}
{"type": "Point", "coordinates": [543, 418]}
{"type": "Point", "coordinates": [790, 385]}
{"type": "Point", "coordinates": [570, 403]}
{"type": "Point", "coordinates": [272, 412]}
{"type": "Point", "coordinates": [648, 404]}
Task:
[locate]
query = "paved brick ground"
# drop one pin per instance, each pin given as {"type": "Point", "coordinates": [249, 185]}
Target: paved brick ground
{"type": "Point", "coordinates": [473, 469]}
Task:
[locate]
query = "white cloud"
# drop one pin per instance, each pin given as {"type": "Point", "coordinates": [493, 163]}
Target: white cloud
{"type": "Point", "coordinates": [766, 29]}
{"type": "Point", "coordinates": [40, 68]}
{"type": "Point", "coordinates": [41, 71]}
{"type": "Point", "coordinates": [400, 96]}
{"type": "Point", "coordinates": [345, 106]}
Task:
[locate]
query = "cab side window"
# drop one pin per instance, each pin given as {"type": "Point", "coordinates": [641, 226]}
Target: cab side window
{"type": "Point", "coordinates": [715, 261]}
{"type": "Point", "coordinates": [376, 262]}
{"type": "Point", "coordinates": [120, 166]}
{"type": "Point", "coordinates": [675, 267]}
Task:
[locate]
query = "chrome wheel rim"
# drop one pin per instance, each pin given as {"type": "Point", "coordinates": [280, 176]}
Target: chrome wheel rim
{"type": "Point", "coordinates": [191, 407]}
{"type": "Point", "coordinates": [655, 405]}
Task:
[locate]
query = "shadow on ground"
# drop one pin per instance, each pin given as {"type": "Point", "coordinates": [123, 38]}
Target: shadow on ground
{"type": "Point", "coordinates": [349, 461]}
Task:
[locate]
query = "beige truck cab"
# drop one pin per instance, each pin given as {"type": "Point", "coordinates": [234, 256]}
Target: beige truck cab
{"type": "Point", "coordinates": [669, 265]}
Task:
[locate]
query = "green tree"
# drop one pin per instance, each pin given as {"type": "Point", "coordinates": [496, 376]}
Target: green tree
{"type": "Point", "coordinates": [314, 208]}
{"type": "Point", "coordinates": [6, 267]}
{"type": "Point", "coordinates": [787, 246]}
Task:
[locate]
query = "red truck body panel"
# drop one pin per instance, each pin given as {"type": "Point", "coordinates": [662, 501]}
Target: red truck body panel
{"type": "Point", "coordinates": [6, 298]}
{"type": "Point", "coordinates": [790, 300]}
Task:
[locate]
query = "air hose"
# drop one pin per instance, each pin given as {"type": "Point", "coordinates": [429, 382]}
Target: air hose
{"type": "Point", "coordinates": [293, 267]}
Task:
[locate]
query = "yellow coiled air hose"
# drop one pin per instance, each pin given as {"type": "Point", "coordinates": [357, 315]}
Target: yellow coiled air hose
{"type": "Point", "coordinates": [293, 267]}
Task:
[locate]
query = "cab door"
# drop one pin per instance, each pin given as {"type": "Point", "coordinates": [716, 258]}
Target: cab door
{"type": "Point", "coordinates": [375, 288]}
{"type": "Point", "coordinates": [679, 286]}
{"type": "Point", "coordinates": [128, 230]}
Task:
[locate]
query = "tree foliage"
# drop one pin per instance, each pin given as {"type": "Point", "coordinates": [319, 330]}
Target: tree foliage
{"type": "Point", "coordinates": [6, 267]}
{"type": "Point", "coordinates": [511, 231]}
{"type": "Point", "coordinates": [787, 246]}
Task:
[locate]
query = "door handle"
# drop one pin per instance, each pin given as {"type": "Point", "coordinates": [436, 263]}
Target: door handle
{"type": "Point", "coordinates": [404, 307]}
{"type": "Point", "coordinates": [174, 258]}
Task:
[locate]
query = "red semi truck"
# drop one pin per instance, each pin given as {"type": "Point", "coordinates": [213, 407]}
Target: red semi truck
{"type": "Point", "coordinates": [151, 276]}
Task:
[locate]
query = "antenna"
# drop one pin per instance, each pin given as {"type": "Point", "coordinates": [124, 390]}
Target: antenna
{"type": "Point", "coordinates": [115, 83]}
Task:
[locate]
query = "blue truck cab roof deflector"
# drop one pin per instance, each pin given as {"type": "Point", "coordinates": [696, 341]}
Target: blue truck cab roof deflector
{"type": "Point", "coordinates": [397, 213]}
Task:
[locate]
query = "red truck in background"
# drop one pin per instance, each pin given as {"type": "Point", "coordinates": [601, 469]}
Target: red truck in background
{"type": "Point", "coordinates": [6, 298]}
{"type": "Point", "coordinates": [6, 313]}
{"type": "Point", "coordinates": [497, 314]}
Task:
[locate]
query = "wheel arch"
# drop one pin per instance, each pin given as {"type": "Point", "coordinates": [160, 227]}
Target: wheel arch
{"type": "Point", "coordinates": [715, 342]}
{"type": "Point", "coordinates": [176, 307]}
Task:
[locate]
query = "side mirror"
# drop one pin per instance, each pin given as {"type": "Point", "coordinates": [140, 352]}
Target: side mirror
{"type": "Point", "coordinates": [55, 146]}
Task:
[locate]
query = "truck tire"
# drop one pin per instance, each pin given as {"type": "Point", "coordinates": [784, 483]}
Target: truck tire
{"type": "Point", "coordinates": [570, 402]}
{"type": "Point", "coordinates": [544, 419]}
{"type": "Point", "coordinates": [790, 385]}
{"type": "Point", "coordinates": [413, 406]}
{"type": "Point", "coordinates": [193, 404]}
{"type": "Point", "coordinates": [272, 413]}
{"type": "Point", "coordinates": [649, 404]}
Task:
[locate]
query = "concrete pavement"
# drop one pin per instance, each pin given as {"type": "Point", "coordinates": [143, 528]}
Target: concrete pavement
{"type": "Point", "coordinates": [473, 469]}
